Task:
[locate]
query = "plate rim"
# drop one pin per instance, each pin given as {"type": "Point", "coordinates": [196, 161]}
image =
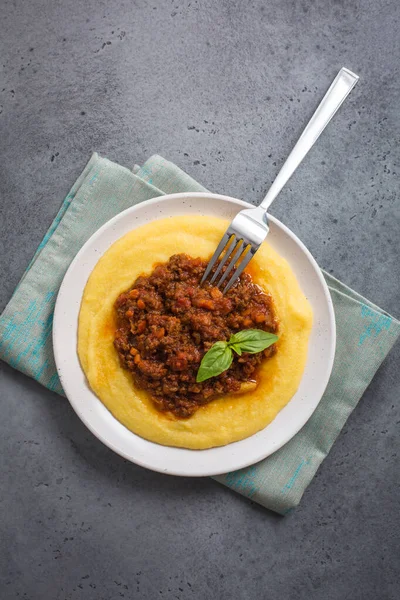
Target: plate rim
{"type": "Point", "coordinates": [57, 348]}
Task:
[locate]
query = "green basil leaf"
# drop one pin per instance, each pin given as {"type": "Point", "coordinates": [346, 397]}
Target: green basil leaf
{"type": "Point", "coordinates": [217, 360]}
{"type": "Point", "coordinates": [252, 340]}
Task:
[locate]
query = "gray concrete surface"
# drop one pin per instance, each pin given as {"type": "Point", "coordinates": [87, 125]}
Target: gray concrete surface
{"type": "Point", "coordinates": [131, 78]}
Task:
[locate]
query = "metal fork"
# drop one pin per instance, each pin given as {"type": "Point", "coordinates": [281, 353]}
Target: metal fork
{"type": "Point", "coordinates": [249, 228]}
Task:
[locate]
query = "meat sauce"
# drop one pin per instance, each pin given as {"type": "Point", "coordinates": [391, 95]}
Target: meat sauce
{"type": "Point", "coordinates": [167, 322]}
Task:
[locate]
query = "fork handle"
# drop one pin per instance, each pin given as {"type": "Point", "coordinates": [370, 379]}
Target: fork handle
{"type": "Point", "coordinates": [340, 88]}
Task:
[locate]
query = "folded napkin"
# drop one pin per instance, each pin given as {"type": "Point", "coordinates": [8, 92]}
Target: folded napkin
{"type": "Point", "coordinates": [365, 333]}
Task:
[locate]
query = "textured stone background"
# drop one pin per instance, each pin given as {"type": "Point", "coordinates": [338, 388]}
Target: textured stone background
{"type": "Point", "coordinates": [223, 89]}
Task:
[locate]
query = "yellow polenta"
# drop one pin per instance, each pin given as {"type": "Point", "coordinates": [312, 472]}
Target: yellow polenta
{"type": "Point", "coordinates": [226, 419]}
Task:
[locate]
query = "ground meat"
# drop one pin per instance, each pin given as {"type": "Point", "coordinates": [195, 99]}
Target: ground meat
{"type": "Point", "coordinates": [167, 322]}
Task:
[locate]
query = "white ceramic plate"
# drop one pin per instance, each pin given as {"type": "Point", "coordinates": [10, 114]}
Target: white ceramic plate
{"type": "Point", "coordinates": [178, 461]}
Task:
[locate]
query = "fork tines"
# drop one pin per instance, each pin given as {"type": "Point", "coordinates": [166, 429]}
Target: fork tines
{"type": "Point", "coordinates": [233, 249]}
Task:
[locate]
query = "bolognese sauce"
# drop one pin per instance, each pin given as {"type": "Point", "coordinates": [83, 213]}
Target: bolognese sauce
{"type": "Point", "coordinates": [167, 322]}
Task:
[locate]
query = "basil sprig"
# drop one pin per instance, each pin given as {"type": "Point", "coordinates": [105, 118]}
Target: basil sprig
{"type": "Point", "coordinates": [220, 356]}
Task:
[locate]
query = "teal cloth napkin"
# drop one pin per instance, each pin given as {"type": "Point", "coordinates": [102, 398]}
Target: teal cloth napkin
{"type": "Point", "coordinates": [365, 333]}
